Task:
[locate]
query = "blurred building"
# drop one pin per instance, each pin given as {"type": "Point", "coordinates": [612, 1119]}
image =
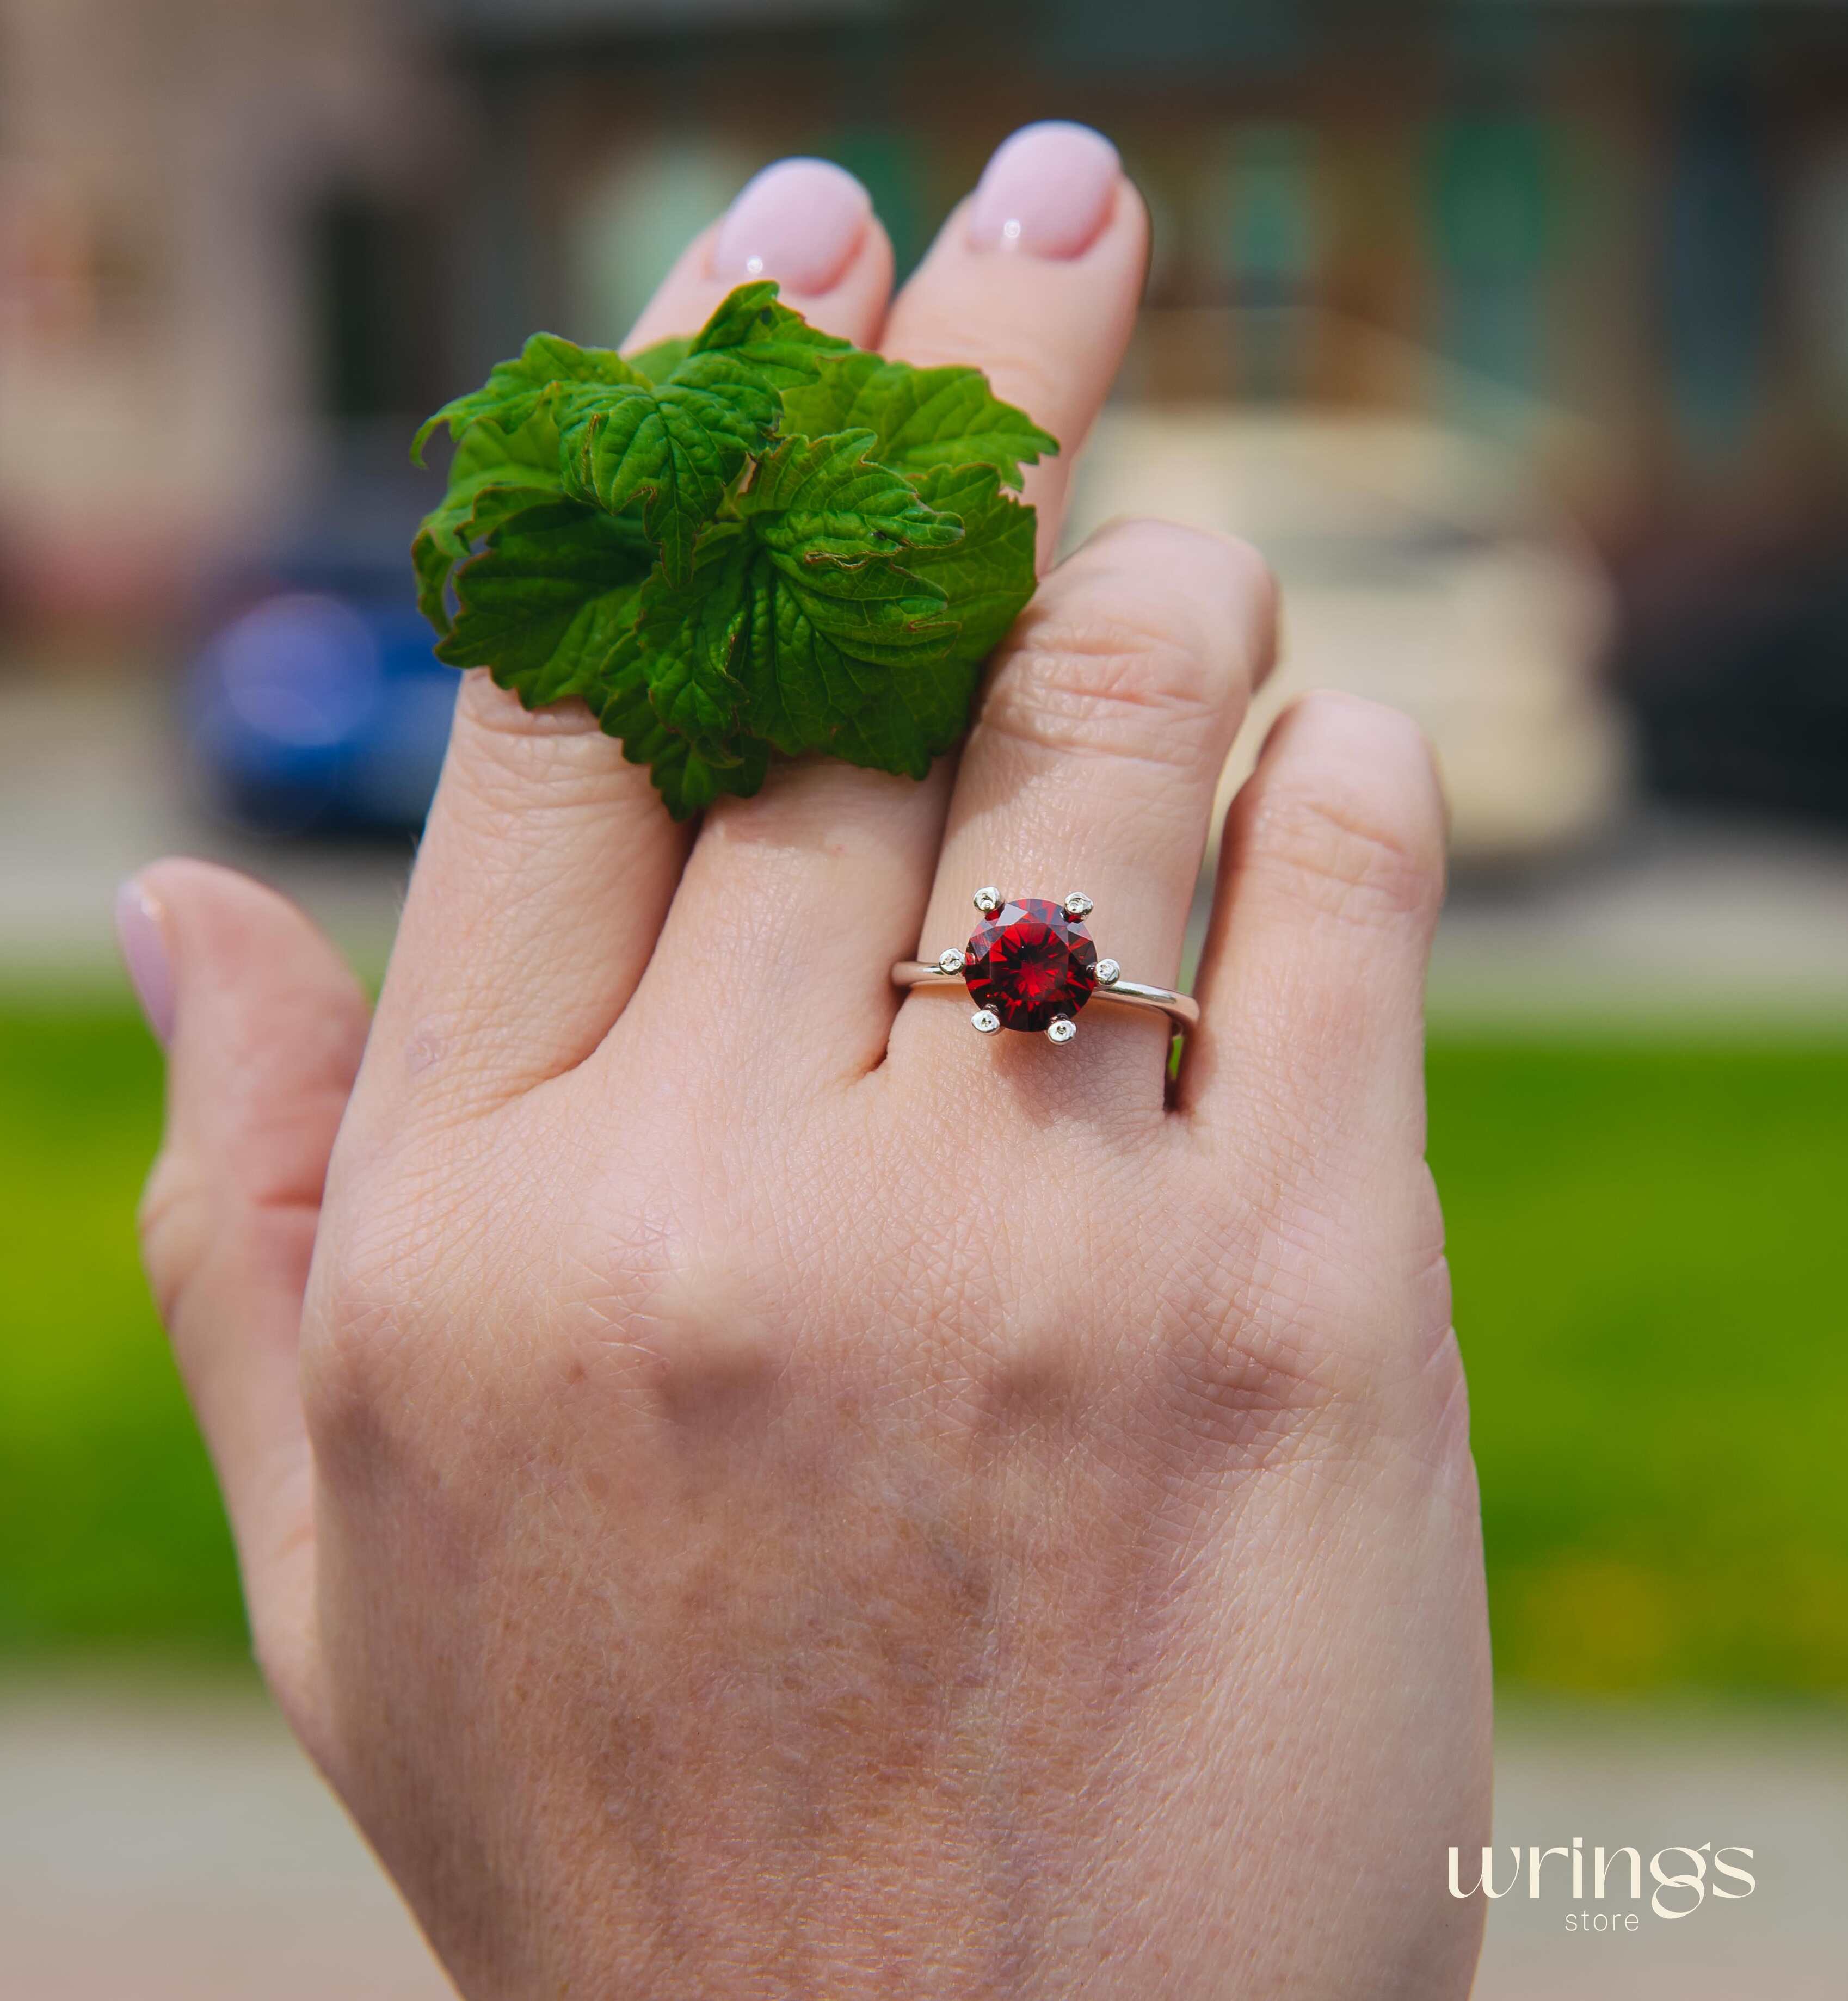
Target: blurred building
{"type": "Point", "coordinates": [186, 188]}
{"type": "Point", "coordinates": [243, 242]}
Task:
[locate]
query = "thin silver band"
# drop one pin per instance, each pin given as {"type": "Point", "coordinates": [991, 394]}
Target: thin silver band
{"type": "Point", "coordinates": [1181, 1009]}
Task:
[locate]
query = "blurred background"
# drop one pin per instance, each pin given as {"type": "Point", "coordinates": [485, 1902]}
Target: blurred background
{"type": "Point", "coordinates": [1515, 334]}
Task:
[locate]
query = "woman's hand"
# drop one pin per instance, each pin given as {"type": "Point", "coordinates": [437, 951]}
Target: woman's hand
{"type": "Point", "coordinates": [771, 1493]}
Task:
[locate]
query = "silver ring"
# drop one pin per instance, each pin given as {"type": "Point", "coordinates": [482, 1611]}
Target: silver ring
{"type": "Point", "coordinates": [1031, 964]}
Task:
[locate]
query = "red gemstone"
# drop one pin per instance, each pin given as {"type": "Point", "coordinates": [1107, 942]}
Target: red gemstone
{"type": "Point", "coordinates": [1030, 963]}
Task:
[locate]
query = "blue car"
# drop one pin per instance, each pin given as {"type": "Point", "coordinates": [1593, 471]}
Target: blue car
{"type": "Point", "coordinates": [317, 707]}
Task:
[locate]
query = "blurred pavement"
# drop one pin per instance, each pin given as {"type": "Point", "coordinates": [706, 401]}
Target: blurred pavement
{"type": "Point", "coordinates": [174, 1847]}
{"type": "Point", "coordinates": [1646, 1778]}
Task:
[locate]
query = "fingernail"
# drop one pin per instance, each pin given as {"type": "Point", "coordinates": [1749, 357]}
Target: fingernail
{"type": "Point", "coordinates": [144, 946]}
{"type": "Point", "coordinates": [799, 222]}
{"type": "Point", "coordinates": [1048, 191]}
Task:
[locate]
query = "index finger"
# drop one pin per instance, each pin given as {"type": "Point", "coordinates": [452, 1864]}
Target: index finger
{"type": "Point", "coordinates": [547, 863]}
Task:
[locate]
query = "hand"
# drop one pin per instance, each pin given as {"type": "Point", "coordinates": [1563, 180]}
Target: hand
{"type": "Point", "coordinates": [770, 1493]}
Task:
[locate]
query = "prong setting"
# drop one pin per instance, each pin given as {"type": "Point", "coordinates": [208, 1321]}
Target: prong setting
{"type": "Point", "coordinates": [1031, 965]}
{"type": "Point", "coordinates": [1078, 905]}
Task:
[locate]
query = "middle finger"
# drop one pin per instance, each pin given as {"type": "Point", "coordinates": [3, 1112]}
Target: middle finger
{"type": "Point", "coordinates": [1035, 280]}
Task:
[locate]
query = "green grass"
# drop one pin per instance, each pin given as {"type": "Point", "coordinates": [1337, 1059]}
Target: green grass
{"type": "Point", "coordinates": [112, 1530]}
{"type": "Point", "coordinates": [1647, 1246]}
{"type": "Point", "coordinates": [1649, 1285]}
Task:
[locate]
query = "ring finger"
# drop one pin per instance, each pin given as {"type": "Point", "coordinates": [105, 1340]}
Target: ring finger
{"type": "Point", "coordinates": [1091, 768]}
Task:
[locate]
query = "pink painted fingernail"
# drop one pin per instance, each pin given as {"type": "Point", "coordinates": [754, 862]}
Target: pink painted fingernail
{"type": "Point", "coordinates": [145, 953]}
{"type": "Point", "coordinates": [1046, 192]}
{"type": "Point", "coordinates": [799, 222]}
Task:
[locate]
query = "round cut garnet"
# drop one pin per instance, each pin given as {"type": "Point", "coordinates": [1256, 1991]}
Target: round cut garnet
{"type": "Point", "coordinates": [1030, 963]}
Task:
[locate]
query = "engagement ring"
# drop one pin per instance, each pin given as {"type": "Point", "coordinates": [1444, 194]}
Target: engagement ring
{"type": "Point", "coordinates": [1031, 965]}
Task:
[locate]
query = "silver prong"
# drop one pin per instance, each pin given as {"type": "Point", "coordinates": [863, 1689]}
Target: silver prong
{"type": "Point", "coordinates": [985, 1022]}
{"type": "Point", "coordinates": [1062, 1030]}
{"type": "Point", "coordinates": [950, 960]}
{"type": "Point", "coordinates": [1077, 905]}
{"type": "Point", "coordinates": [1109, 972]}
{"type": "Point", "coordinates": [988, 901]}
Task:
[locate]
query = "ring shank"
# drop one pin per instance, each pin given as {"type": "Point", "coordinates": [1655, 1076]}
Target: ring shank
{"type": "Point", "coordinates": [1181, 1009]}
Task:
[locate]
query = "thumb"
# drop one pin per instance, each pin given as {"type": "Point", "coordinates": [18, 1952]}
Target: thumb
{"type": "Point", "coordinates": [264, 1025]}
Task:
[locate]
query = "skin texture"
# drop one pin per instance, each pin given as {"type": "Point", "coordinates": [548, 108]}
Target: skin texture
{"type": "Point", "coordinates": [747, 1488]}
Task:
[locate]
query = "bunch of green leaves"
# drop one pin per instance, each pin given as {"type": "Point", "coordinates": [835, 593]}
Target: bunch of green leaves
{"type": "Point", "coordinates": [755, 541]}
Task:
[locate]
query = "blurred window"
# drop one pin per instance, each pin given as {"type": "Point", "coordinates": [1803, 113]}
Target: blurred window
{"type": "Point", "coordinates": [1717, 251]}
{"type": "Point", "coordinates": [1821, 268]}
{"type": "Point", "coordinates": [885, 161]}
{"type": "Point", "coordinates": [1273, 226]}
{"type": "Point", "coordinates": [378, 335]}
{"type": "Point", "coordinates": [1160, 33]}
{"type": "Point", "coordinates": [1269, 241]}
{"type": "Point", "coordinates": [515, 20]}
{"type": "Point", "coordinates": [1492, 201]}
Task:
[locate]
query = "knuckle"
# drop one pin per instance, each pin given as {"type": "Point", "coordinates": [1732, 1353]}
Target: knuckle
{"type": "Point", "coordinates": [693, 1327]}
{"type": "Point", "coordinates": [1257, 599]}
{"type": "Point", "coordinates": [1111, 680]}
{"type": "Point", "coordinates": [1246, 1393]}
{"type": "Point", "coordinates": [1232, 575]}
{"type": "Point", "coordinates": [1345, 851]}
{"type": "Point", "coordinates": [1342, 1310]}
{"type": "Point", "coordinates": [355, 1363]}
{"type": "Point", "coordinates": [1242, 1367]}
{"type": "Point", "coordinates": [1212, 590]}
{"type": "Point", "coordinates": [710, 1359]}
{"type": "Point", "coordinates": [1029, 1377]}
{"type": "Point", "coordinates": [500, 715]}
{"type": "Point", "coordinates": [506, 756]}
{"type": "Point", "coordinates": [173, 1222]}
{"type": "Point", "coordinates": [1142, 647]}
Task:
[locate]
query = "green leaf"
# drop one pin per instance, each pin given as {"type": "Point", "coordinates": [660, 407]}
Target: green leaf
{"type": "Point", "coordinates": [686, 780]}
{"type": "Point", "coordinates": [689, 633]}
{"type": "Point", "coordinates": [657, 362]}
{"type": "Point", "coordinates": [550, 605]}
{"type": "Point", "coordinates": [491, 476]}
{"type": "Point", "coordinates": [922, 710]}
{"type": "Point", "coordinates": [825, 501]}
{"type": "Point", "coordinates": [751, 541]}
{"type": "Point", "coordinates": [922, 417]}
{"type": "Point", "coordinates": [752, 339]}
{"type": "Point", "coordinates": [794, 615]}
{"type": "Point", "coordinates": [677, 446]}
{"type": "Point", "coordinates": [514, 389]}
{"type": "Point", "coordinates": [988, 576]}
{"type": "Point", "coordinates": [689, 784]}
{"type": "Point", "coordinates": [672, 450]}
{"type": "Point", "coordinates": [987, 579]}
{"type": "Point", "coordinates": [819, 656]}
